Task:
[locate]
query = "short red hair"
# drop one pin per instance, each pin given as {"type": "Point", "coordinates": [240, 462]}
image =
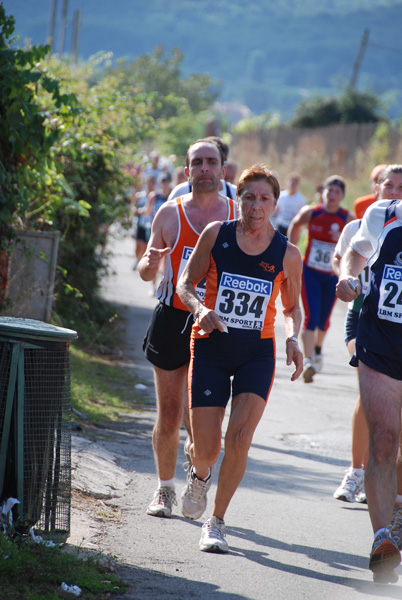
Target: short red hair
{"type": "Point", "coordinates": [257, 173]}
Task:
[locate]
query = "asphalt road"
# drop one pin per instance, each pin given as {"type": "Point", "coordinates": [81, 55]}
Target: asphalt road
{"type": "Point", "coordinates": [288, 538]}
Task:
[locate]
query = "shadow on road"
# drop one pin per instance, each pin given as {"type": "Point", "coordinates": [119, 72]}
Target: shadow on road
{"type": "Point", "coordinates": [335, 560]}
{"type": "Point", "coordinates": [146, 583]}
{"type": "Point", "coordinates": [306, 456]}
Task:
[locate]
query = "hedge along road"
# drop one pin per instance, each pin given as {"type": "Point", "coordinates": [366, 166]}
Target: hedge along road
{"type": "Point", "coordinates": [288, 538]}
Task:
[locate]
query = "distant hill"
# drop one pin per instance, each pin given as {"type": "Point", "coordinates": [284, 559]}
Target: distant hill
{"type": "Point", "coordinates": [266, 54]}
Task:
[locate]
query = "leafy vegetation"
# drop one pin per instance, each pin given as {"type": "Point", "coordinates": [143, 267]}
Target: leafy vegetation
{"type": "Point", "coordinates": [25, 140]}
{"type": "Point", "coordinates": [160, 73]}
{"type": "Point", "coordinates": [256, 123]}
{"type": "Point", "coordinates": [180, 105]}
{"type": "Point", "coordinates": [67, 134]}
{"type": "Point", "coordinates": [349, 107]}
{"type": "Point", "coordinates": [90, 155]}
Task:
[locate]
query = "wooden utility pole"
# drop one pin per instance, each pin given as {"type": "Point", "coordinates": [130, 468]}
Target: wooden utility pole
{"type": "Point", "coordinates": [359, 58]}
{"type": "Point", "coordinates": [76, 33]}
{"type": "Point", "coordinates": [52, 25]}
{"type": "Point", "coordinates": [63, 26]}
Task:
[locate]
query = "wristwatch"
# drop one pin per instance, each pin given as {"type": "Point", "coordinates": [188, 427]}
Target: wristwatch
{"type": "Point", "coordinates": [292, 339]}
{"type": "Point", "coordinates": [352, 284]}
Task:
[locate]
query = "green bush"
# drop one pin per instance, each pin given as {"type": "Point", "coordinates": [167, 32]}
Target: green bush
{"type": "Point", "coordinates": [90, 155]}
{"type": "Point", "coordinates": [350, 106]}
{"type": "Point", "coordinates": [65, 134]}
{"type": "Point", "coordinates": [25, 137]}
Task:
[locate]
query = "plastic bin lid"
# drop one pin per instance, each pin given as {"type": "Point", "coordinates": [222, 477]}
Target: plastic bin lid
{"type": "Point", "coordinates": [33, 328]}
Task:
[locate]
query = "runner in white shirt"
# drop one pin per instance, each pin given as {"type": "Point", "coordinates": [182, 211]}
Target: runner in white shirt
{"type": "Point", "coordinates": [289, 203]}
{"type": "Point", "coordinates": [227, 189]}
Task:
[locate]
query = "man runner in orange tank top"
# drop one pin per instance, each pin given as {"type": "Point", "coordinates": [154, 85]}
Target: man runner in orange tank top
{"type": "Point", "coordinates": [175, 231]}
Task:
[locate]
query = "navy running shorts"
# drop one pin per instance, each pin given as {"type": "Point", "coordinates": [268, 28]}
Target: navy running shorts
{"type": "Point", "coordinates": [378, 362]}
{"type": "Point", "coordinates": [167, 341]}
{"type": "Point", "coordinates": [318, 297]}
{"type": "Point", "coordinates": [224, 364]}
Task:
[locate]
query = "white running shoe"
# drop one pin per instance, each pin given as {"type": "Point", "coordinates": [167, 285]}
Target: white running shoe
{"type": "Point", "coordinates": [162, 502]}
{"type": "Point", "coordinates": [351, 486]}
{"type": "Point", "coordinates": [317, 362]}
{"type": "Point", "coordinates": [194, 496]}
{"type": "Point", "coordinates": [213, 536]}
{"type": "Point", "coordinates": [309, 370]}
{"type": "Point", "coordinates": [396, 525]}
{"type": "Point", "coordinates": [361, 497]}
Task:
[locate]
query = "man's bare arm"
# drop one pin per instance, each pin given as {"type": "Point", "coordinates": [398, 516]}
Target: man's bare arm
{"type": "Point", "coordinates": [336, 263]}
{"type": "Point", "coordinates": [302, 218]}
{"type": "Point", "coordinates": [163, 235]}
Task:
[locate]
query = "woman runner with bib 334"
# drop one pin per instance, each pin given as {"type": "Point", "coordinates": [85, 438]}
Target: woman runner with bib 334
{"type": "Point", "coordinates": [246, 263]}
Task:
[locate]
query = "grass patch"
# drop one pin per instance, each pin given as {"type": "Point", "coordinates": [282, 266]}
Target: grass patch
{"type": "Point", "coordinates": [102, 389]}
{"type": "Point", "coordinates": [30, 571]}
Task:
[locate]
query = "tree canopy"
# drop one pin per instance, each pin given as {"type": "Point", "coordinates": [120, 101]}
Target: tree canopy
{"type": "Point", "coordinates": [159, 73]}
{"type": "Point", "coordinates": [351, 106]}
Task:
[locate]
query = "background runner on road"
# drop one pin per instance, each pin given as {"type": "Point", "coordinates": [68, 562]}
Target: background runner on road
{"type": "Point", "coordinates": [324, 222]}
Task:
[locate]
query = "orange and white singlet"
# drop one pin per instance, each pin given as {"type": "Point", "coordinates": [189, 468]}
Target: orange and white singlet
{"type": "Point", "coordinates": [176, 261]}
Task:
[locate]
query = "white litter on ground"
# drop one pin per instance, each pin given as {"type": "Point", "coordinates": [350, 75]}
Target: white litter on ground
{"type": "Point", "coordinates": [38, 539]}
{"type": "Point", "coordinates": [140, 386]}
{"type": "Point", "coordinates": [6, 511]}
{"type": "Point", "coordinates": [74, 590]}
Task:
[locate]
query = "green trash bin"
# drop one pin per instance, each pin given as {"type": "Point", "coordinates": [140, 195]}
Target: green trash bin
{"type": "Point", "coordinates": [35, 423]}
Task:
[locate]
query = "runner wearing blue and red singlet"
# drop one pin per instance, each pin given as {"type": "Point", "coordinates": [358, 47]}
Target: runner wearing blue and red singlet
{"type": "Point", "coordinates": [325, 223]}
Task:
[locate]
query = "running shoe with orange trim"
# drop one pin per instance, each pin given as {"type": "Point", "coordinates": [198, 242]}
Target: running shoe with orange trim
{"type": "Point", "coordinates": [384, 558]}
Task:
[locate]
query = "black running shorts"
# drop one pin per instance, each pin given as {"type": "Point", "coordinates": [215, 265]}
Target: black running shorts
{"type": "Point", "coordinates": [167, 341]}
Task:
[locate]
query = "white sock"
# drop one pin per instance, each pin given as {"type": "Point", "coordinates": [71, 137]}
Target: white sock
{"type": "Point", "coordinates": [358, 472]}
{"type": "Point", "coordinates": [398, 499]}
{"type": "Point", "coordinates": [168, 483]}
{"type": "Point", "coordinates": [200, 478]}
